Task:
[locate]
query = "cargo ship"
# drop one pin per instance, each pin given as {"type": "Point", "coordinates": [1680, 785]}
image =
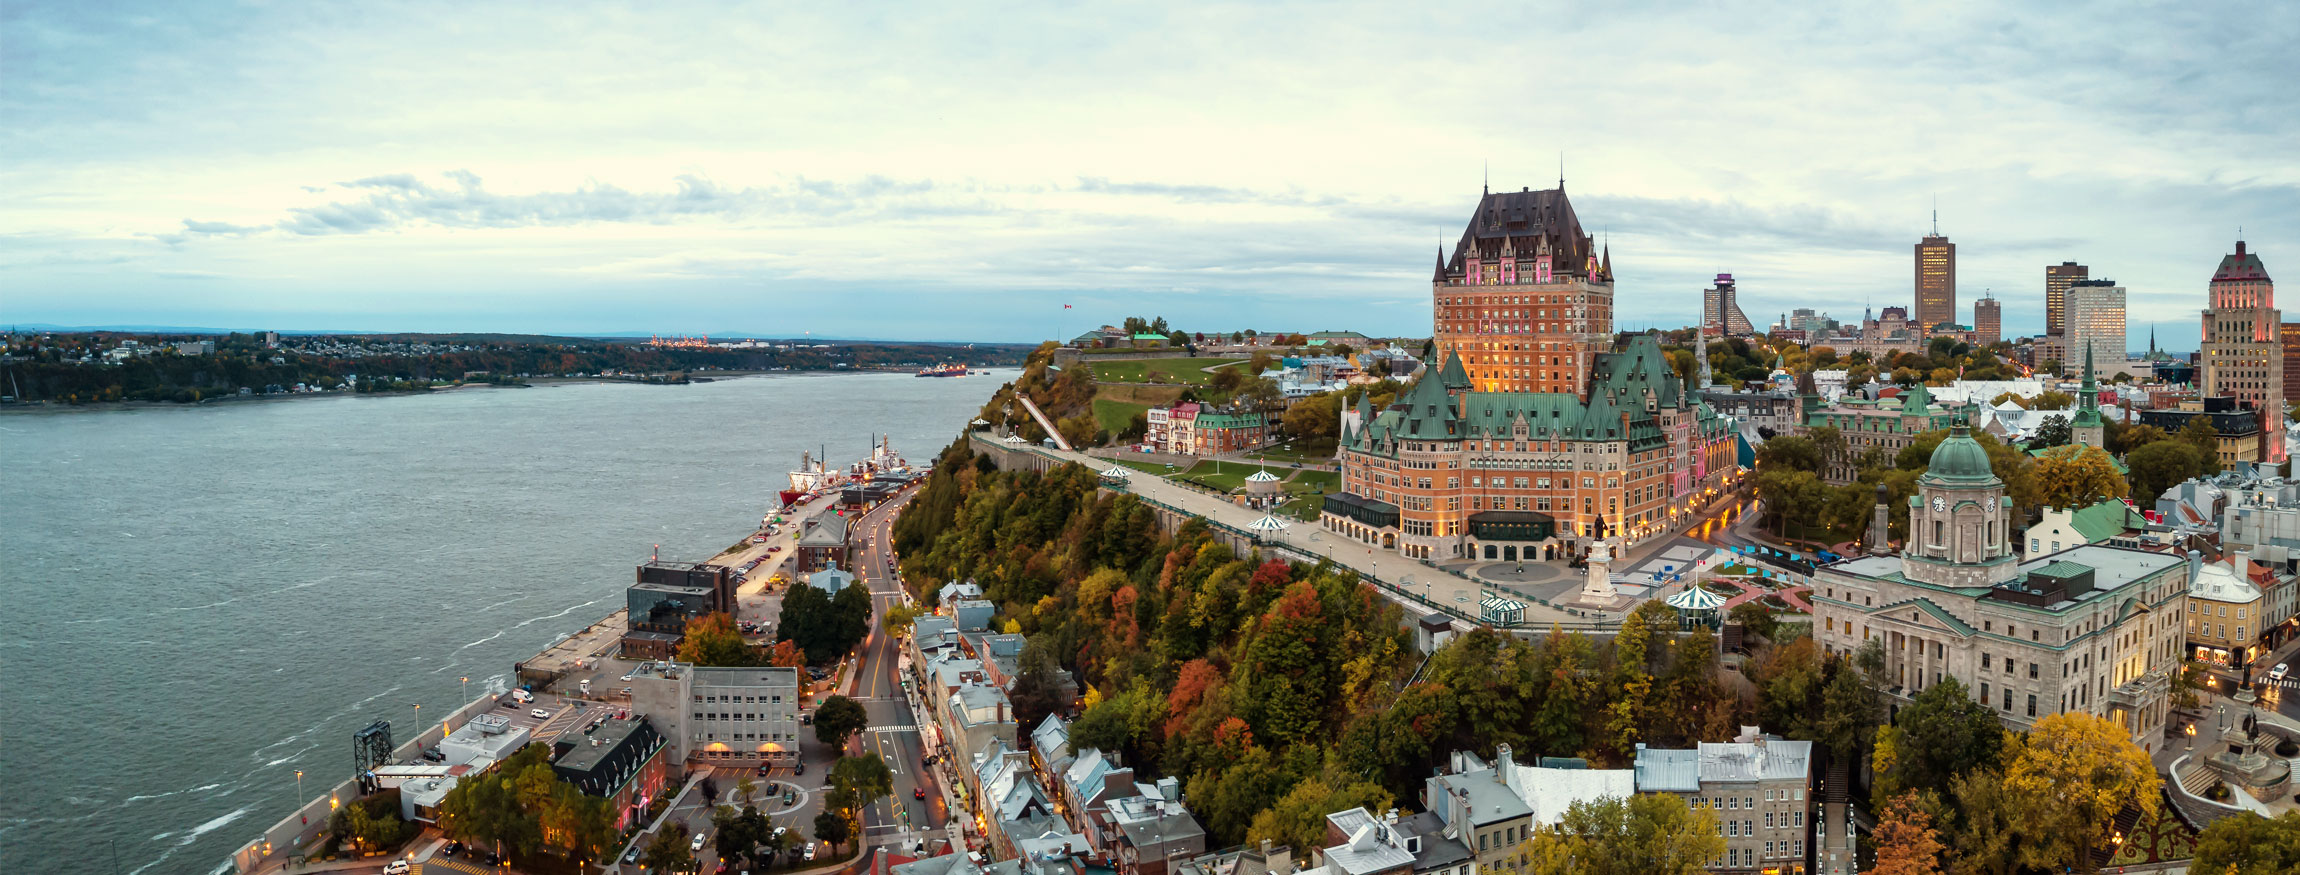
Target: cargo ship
{"type": "Point", "coordinates": [814, 478]}
{"type": "Point", "coordinates": [949, 370]}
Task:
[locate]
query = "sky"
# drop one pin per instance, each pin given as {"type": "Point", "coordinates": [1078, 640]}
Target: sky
{"type": "Point", "coordinates": [966, 171]}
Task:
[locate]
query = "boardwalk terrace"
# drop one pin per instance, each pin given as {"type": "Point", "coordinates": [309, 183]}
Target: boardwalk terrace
{"type": "Point", "coordinates": [1451, 472]}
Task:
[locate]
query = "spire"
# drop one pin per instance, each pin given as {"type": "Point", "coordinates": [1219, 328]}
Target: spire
{"type": "Point", "coordinates": [1606, 267]}
{"type": "Point", "coordinates": [1561, 170]}
{"type": "Point", "coordinates": [1439, 277]}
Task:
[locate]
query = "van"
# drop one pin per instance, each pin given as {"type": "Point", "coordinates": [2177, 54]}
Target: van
{"type": "Point", "coordinates": [585, 686]}
{"type": "Point", "coordinates": [522, 696]}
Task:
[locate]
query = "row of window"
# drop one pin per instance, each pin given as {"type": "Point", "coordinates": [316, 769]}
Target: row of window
{"type": "Point", "coordinates": [1740, 857]}
{"type": "Point", "coordinates": [738, 700]}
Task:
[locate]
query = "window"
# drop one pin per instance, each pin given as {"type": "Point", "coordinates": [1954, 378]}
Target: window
{"type": "Point", "coordinates": [2032, 705]}
{"type": "Point", "coordinates": [2008, 700]}
{"type": "Point", "coordinates": [1798, 817]}
{"type": "Point", "coordinates": [2032, 671]}
{"type": "Point", "coordinates": [1985, 661]}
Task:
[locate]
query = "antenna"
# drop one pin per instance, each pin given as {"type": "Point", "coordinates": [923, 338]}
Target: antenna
{"type": "Point", "coordinates": [1487, 187]}
{"type": "Point", "coordinates": [1561, 170]}
{"type": "Point", "coordinates": [1936, 215]}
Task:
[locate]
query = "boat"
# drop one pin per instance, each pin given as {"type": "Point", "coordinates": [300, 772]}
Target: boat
{"type": "Point", "coordinates": [943, 370]}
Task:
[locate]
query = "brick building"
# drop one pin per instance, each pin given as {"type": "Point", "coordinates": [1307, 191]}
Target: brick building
{"type": "Point", "coordinates": [1526, 299]}
{"type": "Point", "coordinates": [2243, 355]}
{"type": "Point", "coordinates": [1194, 429]}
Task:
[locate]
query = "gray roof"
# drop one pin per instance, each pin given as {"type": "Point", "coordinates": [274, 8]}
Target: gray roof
{"type": "Point", "coordinates": [1769, 760]}
{"type": "Point", "coordinates": [1438, 850]}
{"type": "Point", "coordinates": [828, 531]}
{"type": "Point", "coordinates": [1370, 846]}
{"type": "Point", "coordinates": [1490, 801]}
{"type": "Point", "coordinates": [947, 864]}
{"type": "Point", "coordinates": [1668, 771]}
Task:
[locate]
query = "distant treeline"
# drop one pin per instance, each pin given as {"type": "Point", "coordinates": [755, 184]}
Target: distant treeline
{"type": "Point", "coordinates": [47, 370]}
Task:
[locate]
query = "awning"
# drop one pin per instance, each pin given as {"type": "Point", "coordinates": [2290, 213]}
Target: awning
{"type": "Point", "coordinates": [1267, 524]}
{"type": "Point", "coordinates": [1695, 598]}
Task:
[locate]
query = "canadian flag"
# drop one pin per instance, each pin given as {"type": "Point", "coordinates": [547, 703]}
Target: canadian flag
{"type": "Point", "coordinates": [1066, 306]}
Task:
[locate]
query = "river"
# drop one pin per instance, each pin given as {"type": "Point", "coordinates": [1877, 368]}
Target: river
{"type": "Point", "coordinates": [203, 600]}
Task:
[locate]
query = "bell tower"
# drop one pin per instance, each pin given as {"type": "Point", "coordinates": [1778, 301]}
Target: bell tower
{"type": "Point", "coordinates": [1959, 518]}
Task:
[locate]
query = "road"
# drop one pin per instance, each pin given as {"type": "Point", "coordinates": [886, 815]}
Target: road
{"type": "Point", "coordinates": [902, 820]}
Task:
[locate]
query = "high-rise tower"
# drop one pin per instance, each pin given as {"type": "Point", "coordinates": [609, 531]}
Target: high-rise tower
{"type": "Point", "coordinates": [1526, 299]}
{"type": "Point", "coordinates": [2057, 279]}
{"type": "Point", "coordinates": [2244, 344]}
{"type": "Point", "coordinates": [1721, 309]}
{"type": "Point", "coordinates": [1988, 321]}
{"type": "Point", "coordinates": [2095, 325]}
{"type": "Point", "coordinates": [1936, 278]}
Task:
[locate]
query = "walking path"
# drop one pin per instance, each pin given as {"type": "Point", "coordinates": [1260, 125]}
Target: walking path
{"type": "Point", "coordinates": [1412, 582]}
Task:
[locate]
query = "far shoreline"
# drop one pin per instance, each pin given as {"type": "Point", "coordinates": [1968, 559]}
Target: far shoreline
{"type": "Point", "coordinates": [23, 408]}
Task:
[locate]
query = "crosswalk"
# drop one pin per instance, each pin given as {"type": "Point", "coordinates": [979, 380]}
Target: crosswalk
{"type": "Point", "coordinates": [433, 867]}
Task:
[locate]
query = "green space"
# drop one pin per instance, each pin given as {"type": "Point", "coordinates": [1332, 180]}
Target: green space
{"type": "Point", "coordinates": [1303, 507]}
{"type": "Point", "coordinates": [1158, 468]}
{"type": "Point", "coordinates": [1188, 372]}
{"type": "Point", "coordinates": [1114, 416]}
{"type": "Point", "coordinates": [1289, 454]}
{"type": "Point", "coordinates": [1224, 476]}
{"type": "Point", "coordinates": [1304, 481]}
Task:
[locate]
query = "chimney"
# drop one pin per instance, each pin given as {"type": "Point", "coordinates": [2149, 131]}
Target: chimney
{"type": "Point", "coordinates": [1501, 764]}
{"type": "Point", "coordinates": [2195, 564]}
{"type": "Point", "coordinates": [1001, 709]}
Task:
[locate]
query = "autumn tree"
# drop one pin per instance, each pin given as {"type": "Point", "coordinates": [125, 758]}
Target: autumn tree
{"type": "Point", "coordinates": [1906, 841]}
{"type": "Point", "coordinates": [713, 640]}
{"type": "Point", "coordinates": [1648, 834]}
{"type": "Point", "coordinates": [2077, 476]}
{"type": "Point", "coordinates": [2248, 844]}
{"type": "Point", "coordinates": [2072, 774]}
{"type": "Point", "coordinates": [2202, 436]}
{"type": "Point", "coordinates": [786, 654]}
{"type": "Point", "coordinates": [1298, 819]}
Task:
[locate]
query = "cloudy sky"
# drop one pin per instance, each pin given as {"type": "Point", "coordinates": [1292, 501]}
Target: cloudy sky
{"type": "Point", "coordinates": [961, 171]}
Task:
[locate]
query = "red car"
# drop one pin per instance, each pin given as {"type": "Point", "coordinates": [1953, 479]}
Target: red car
{"type": "Point", "coordinates": [918, 793]}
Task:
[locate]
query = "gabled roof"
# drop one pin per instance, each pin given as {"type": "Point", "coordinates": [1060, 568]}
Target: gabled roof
{"type": "Point", "coordinates": [1940, 615]}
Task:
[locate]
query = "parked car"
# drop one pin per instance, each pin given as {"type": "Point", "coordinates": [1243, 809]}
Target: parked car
{"type": "Point", "coordinates": [633, 856]}
{"type": "Point", "coordinates": [810, 850]}
{"type": "Point", "coordinates": [539, 714]}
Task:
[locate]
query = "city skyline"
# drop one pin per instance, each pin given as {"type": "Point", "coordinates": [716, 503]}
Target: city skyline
{"type": "Point", "coordinates": [215, 166]}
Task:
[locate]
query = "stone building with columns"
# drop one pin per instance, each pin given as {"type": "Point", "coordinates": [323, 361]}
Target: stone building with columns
{"type": "Point", "coordinates": [2093, 628]}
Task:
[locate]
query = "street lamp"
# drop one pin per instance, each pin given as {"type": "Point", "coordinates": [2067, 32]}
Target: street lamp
{"type": "Point", "coordinates": [299, 785]}
{"type": "Point", "coordinates": [466, 689]}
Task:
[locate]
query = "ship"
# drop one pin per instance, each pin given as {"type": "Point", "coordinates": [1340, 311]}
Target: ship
{"type": "Point", "coordinates": [814, 478]}
{"type": "Point", "coordinates": [944, 370]}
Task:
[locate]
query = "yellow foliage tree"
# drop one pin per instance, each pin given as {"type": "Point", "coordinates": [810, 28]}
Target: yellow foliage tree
{"type": "Point", "coordinates": [2071, 775]}
{"type": "Point", "coordinates": [2076, 476]}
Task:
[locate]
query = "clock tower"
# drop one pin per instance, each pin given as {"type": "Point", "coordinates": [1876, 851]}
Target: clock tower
{"type": "Point", "coordinates": [1959, 520]}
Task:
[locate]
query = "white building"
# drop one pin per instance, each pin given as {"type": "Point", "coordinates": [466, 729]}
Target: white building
{"type": "Point", "coordinates": [721, 715]}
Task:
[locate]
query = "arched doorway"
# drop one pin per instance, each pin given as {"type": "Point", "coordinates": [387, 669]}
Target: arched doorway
{"type": "Point", "coordinates": [1389, 541]}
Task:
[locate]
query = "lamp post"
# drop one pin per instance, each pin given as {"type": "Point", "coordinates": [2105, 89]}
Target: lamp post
{"type": "Point", "coordinates": [299, 785]}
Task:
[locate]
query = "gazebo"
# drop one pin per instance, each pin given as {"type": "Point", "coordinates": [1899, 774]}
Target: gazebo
{"type": "Point", "coordinates": [1014, 439]}
{"type": "Point", "coordinates": [1267, 524]}
{"type": "Point", "coordinates": [1116, 472]}
{"type": "Point", "coordinates": [1695, 600]}
{"type": "Point", "coordinates": [1262, 483]}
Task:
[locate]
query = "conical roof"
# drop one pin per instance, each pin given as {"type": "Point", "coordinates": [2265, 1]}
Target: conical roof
{"type": "Point", "coordinates": [1262, 477]}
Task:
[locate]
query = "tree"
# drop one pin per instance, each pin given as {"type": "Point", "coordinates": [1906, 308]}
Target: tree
{"type": "Point", "coordinates": [786, 654]}
{"type": "Point", "coordinates": [2201, 435]}
{"type": "Point", "coordinates": [1906, 842]}
{"type": "Point", "coordinates": [1850, 711]}
{"type": "Point", "coordinates": [1653, 834]}
{"type": "Point", "coordinates": [1755, 618]}
{"type": "Point", "coordinates": [2052, 432]}
{"type": "Point", "coordinates": [2071, 477]}
{"type": "Point", "coordinates": [2248, 844]}
{"type": "Point", "coordinates": [1793, 452]}
{"type": "Point", "coordinates": [823, 625]}
{"type": "Point", "coordinates": [2072, 774]}
{"type": "Point", "coordinates": [833, 828]}
{"type": "Point", "coordinates": [861, 780]}
{"type": "Point", "coordinates": [670, 852]}
{"type": "Point", "coordinates": [712, 639]}
{"type": "Point", "coordinates": [1298, 819]}
{"type": "Point", "coordinates": [2053, 400]}
{"type": "Point", "coordinates": [837, 718]}
{"type": "Point", "coordinates": [2159, 466]}
{"type": "Point", "coordinates": [1942, 734]}
{"type": "Point", "coordinates": [898, 619]}
{"type": "Point", "coordinates": [1314, 423]}
{"type": "Point", "coordinates": [2124, 439]}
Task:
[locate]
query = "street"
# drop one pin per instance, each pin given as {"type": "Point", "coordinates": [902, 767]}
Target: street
{"type": "Point", "coordinates": [901, 820]}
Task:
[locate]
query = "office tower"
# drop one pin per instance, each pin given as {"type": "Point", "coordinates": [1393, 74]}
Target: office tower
{"type": "Point", "coordinates": [1988, 321]}
{"type": "Point", "coordinates": [1936, 278]}
{"type": "Point", "coordinates": [2291, 333]}
{"type": "Point", "coordinates": [2095, 325]}
{"type": "Point", "coordinates": [2244, 344]}
{"type": "Point", "coordinates": [1721, 310]}
{"type": "Point", "coordinates": [2057, 278]}
{"type": "Point", "coordinates": [1526, 300]}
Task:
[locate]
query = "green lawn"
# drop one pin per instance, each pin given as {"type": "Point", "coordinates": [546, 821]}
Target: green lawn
{"type": "Point", "coordinates": [1289, 454]}
{"type": "Point", "coordinates": [1157, 468]}
{"type": "Point", "coordinates": [1304, 481]}
{"type": "Point", "coordinates": [1188, 372]}
{"type": "Point", "coordinates": [1114, 416]}
{"type": "Point", "coordinates": [1304, 508]}
{"type": "Point", "coordinates": [1225, 476]}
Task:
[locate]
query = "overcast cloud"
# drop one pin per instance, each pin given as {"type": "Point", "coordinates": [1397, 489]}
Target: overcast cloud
{"type": "Point", "coordinates": [961, 171]}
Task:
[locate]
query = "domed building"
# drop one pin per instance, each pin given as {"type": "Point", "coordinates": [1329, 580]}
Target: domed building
{"type": "Point", "coordinates": [2093, 628]}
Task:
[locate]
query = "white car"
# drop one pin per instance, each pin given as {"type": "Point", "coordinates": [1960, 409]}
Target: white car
{"type": "Point", "coordinates": [396, 867]}
{"type": "Point", "coordinates": [627, 676]}
{"type": "Point", "coordinates": [2277, 673]}
{"type": "Point", "coordinates": [700, 840]}
{"type": "Point", "coordinates": [539, 714]}
{"type": "Point", "coordinates": [810, 850]}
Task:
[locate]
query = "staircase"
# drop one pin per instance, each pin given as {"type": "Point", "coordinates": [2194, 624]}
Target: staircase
{"type": "Point", "coordinates": [2188, 801]}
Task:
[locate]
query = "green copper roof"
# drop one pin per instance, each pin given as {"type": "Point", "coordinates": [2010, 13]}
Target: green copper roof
{"type": "Point", "coordinates": [1960, 459]}
{"type": "Point", "coordinates": [2088, 397]}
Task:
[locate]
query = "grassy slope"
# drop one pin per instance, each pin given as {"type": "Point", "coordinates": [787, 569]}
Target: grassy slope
{"type": "Point", "coordinates": [1114, 416]}
{"type": "Point", "coordinates": [1177, 371]}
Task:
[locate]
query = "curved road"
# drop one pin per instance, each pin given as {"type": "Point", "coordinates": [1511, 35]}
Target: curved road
{"type": "Point", "coordinates": [904, 820]}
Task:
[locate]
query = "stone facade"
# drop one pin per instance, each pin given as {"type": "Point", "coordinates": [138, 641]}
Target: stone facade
{"type": "Point", "coordinates": [2094, 628]}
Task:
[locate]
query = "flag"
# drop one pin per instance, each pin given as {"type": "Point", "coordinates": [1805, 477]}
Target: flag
{"type": "Point", "coordinates": [1066, 306]}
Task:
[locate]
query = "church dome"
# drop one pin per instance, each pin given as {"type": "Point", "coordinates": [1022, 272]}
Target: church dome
{"type": "Point", "coordinates": [1959, 459]}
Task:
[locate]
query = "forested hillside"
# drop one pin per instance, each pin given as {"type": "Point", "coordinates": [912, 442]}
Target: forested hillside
{"type": "Point", "coordinates": [1277, 691]}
